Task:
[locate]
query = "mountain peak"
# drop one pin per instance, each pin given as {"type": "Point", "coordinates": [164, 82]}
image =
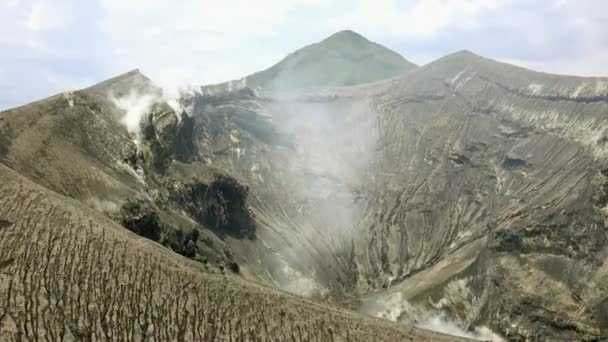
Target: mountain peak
{"type": "Point", "coordinates": [464, 54]}
{"type": "Point", "coordinates": [346, 34]}
{"type": "Point", "coordinates": [123, 83]}
{"type": "Point", "coordinates": [344, 58]}
{"type": "Point", "coordinates": [132, 74]}
{"type": "Point", "coordinates": [457, 59]}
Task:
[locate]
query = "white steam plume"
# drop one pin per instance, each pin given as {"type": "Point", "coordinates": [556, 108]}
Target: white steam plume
{"type": "Point", "coordinates": [102, 206]}
{"type": "Point", "coordinates": [395, 308]}
{"type": "Point", "coordinates": [136, 106]}
{"type": "Point", "coordinates": [297, 283]}
{"type": "Point", "coordinates": [332, 144]}
{"type": "Point", "coordinates": [174, 88]}
{"type": "Point", "coordinates": [443, 325]}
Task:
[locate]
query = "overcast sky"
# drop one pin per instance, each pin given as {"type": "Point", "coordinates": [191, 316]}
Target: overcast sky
{"type": "Point", "coordinates": [48, 46]}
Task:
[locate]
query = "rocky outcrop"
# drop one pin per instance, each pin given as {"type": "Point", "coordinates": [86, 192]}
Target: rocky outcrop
{"type": "Point", "coordinates": [141, 218]}
{"type": "Point", "coordinates": [444, 187]}
{"type": "Point", "coordinates": [163, 126]}
{"type": "Point", "coordinates": [220, 205]}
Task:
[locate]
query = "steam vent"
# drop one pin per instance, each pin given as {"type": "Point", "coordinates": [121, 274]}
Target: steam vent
{"type": "Point", "coordinates": [343, 194]}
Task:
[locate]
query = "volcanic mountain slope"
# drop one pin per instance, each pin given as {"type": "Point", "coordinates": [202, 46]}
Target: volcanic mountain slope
{"type": "Point", "coordinates": [68, 273]}
{"type": "Point", "coordinates": [77, 145]}
{"type": "Point", "coordinates": [76, 167]}
{"type": "Point", "coordinates": [491, 204]}
{"type": "Point", "coordinates": [345, 58]}
{"type": "Point", "coordinates": [465, 189]}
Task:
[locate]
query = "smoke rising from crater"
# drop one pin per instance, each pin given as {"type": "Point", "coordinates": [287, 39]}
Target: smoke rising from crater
{"type": "Point", "coordinates": [332, 143]}
{"type": "Point", "coordinates": [138, 103]}
{"type": "Point", "coordinates": [394, 307]}
{"type": "Point", "coordinates": [443, 325]}
{"type": "Point", "coordinates": [103, 205]}
{"type": "Point", "coordinates": [136, 106]}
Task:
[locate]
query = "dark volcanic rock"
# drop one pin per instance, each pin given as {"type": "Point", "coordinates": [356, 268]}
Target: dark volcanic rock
{"type": "Point", "coordinates": [185, 148]}
{"type": "Point", "coordinates": [165, 125]}
{"type": "Point", "coordinates": [514, 163]}
{"type": "Point", "coordinates": [140, 217]}
{"type": "Point", "coordinates": [220, 205]}
{"type": "Point", "coordinates": [508, 241]}
{"type": "Point", "coordinates": [601, 315]}
{"type": "Point", "coordinates": [4, 224]}
{"type": "Point", "coordinates": [184, 243]}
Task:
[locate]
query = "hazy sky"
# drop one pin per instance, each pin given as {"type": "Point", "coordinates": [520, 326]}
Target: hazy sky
{"type": "Point", "coordinates": [47, 46]}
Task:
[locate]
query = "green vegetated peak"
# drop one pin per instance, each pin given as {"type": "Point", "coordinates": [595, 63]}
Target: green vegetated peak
{"type": "Point", "coordinates": [344, 58]}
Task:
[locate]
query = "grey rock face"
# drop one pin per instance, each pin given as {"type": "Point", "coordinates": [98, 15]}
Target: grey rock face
{"type": "Point", "coordinates": [141, 218]}
{"type": "Point", "coordinates": [219, 205]}
{"type": "Point", "coordinates": [465, 188]}
{"type": "Point", "coordinates": [165, 124]}
{"type": "Point", "coordinates": [469, 187]}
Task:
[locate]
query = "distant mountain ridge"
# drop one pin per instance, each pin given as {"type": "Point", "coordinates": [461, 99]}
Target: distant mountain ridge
{"type": "Point", "coordinates": [344, 58]}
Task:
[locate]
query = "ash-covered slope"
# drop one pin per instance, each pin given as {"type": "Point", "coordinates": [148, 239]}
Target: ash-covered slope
{"type": "Point", "coordinates": [344, 58]}
{"type": "Point", "coordinates": [67, 273]}
{"type": "Point", "coordinates": [76, 174]}
{"type": "Point", "coordinates": [467, 188]}
{"type": "Point", "coordinates": [108, 146]}
{"type": "Point", "coordinates": [491, 204]}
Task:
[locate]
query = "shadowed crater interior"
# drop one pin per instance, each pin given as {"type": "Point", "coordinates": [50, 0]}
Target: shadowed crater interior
{"type": "Point", "coordinates": [220, 205]}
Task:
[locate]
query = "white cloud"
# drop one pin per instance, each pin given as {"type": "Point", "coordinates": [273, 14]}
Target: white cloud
{"type": "Point", "coordinates": [10, 3]}
{"type": "Point", "coordinates": [50, 15]}
{"type": "Point", "coordinates": [65, 82]}
{"type": "Point", "coordinates": [415, 18]}
{"type": "Point", "coordinates": [591, 65]}
{"type": "Point", "coordinates": [213, 41]}
{"type": "Point", "coordinates": [209, 22]}
{"type": "Point", "coordinates": [581, 48]}
{"type": "Point", "coordinates": [197, 41]}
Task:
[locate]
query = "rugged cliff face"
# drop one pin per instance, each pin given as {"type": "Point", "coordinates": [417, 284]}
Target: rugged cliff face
{"type": "Point", "coordinates": [490, 208]}
{"type": "Point", "coordinates": [465, 189]}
